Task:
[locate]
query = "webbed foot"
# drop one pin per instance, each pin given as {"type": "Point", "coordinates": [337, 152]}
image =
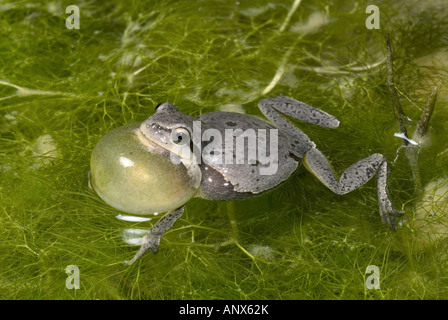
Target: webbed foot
{"type": "Point", "coordinates": [151, 241]}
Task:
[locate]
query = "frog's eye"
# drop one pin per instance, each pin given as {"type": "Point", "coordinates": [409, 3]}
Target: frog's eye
{"type": "Point", "coordinates": [157, 106]}
{"type": "Point", "coordinates": [180, 136]}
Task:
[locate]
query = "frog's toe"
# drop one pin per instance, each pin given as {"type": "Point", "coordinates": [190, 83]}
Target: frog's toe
{"type": "Point", "coordinates": [391, 218]}
{"type": "Point", "coordinates": [149, 242]}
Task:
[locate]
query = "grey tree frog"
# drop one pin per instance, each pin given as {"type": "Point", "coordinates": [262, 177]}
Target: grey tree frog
{"type": "Point", "coordinates": [172, 130]}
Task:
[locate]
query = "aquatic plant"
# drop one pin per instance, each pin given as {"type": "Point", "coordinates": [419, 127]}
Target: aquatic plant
{"type": "Point", "coordinates": [62, 89]}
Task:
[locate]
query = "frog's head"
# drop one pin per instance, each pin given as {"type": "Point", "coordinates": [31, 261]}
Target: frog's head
{"type": "Point", "coordinates": [168, 128]}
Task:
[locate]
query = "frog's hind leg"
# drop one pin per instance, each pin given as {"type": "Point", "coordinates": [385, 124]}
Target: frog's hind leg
{"type": "Point", "coordinates": [152, 239]}
{"type": "Point", "coordinates": [354, 177]}
{"type": "Point", "coordinates": [273, 108]}
{"type": "Point", "coordinates": [299, 110]}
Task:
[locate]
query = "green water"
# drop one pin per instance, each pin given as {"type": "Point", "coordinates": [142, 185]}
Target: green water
{"type": "Point", "coordinates": [62, 89]}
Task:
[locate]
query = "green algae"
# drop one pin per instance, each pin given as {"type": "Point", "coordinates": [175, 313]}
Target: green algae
{"type": "Point", "coordinates": [299, 242]}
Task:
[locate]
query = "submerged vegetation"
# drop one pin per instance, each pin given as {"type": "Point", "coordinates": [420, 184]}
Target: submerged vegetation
{"type": "Point", "coordinates": [62, 89]}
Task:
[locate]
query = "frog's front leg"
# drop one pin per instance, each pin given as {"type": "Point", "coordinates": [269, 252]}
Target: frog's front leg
{"type": "Point", "coordinates": [152, 239]}
{"type": "Point", "coordinates": [354, 177]}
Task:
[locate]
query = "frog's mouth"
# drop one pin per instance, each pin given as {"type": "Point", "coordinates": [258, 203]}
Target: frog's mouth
{"type": "Point", "coordinates": [150, 145]}
{"type": "Point", "coordinates": [156, 147]}
{"type": "Point", "coordinates": [163, 140]}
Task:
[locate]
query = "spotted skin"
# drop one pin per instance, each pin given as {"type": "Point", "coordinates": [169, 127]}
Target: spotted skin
{"type": "Point", "coordinates": [242, 181]}
{"type": "Point", "coordinates": [354, 177]}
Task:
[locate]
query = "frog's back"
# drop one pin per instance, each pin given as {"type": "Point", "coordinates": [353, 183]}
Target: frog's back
{"type": "Point", "coordinates": [257, 159]}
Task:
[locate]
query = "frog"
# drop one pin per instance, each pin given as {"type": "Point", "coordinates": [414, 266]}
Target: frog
{"type": "Point", "coordinates": [172, 130]}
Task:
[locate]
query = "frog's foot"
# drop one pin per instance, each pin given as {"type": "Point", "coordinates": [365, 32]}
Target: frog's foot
{"type": "Point", "coordinates": [152, 239]}
{"type": "Point", "coordinates": [389, 215]}
{"type": "Point", "coordinates": [149, 241]}
{"type": "Point", "coordinates": [354, 177]}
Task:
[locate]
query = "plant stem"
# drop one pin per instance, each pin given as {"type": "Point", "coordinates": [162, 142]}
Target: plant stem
{"type": "Point", "coordinates": [423, 123]}
{"type": "Point", "coordinates": [419, 133]}
{"type": "Point", "coordinates": [398, 110]}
